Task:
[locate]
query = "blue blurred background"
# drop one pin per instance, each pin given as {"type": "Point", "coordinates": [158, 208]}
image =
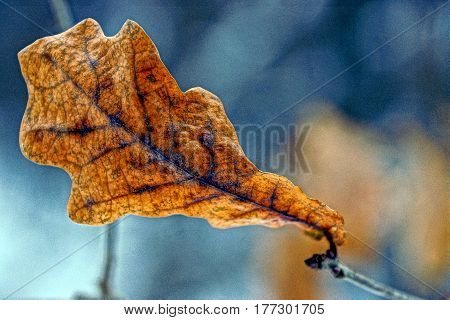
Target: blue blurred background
{"type": "Point", "coordinates": [377, 149]}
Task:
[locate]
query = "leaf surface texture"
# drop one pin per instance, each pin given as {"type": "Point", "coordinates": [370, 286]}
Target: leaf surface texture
{"type": "Point", "coordinates": [107, 110]}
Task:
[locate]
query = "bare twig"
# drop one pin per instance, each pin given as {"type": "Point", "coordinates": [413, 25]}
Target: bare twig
{"type": "Point", "coordinates": [329, 261]}
{"type": "Point", "coordinates": [105, 281]}
{"type": "Point", "coordinates": [62, 13]}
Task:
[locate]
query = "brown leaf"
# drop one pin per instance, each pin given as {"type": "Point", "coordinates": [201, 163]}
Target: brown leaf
{"type": "Point", "coordinates": [106, 110]}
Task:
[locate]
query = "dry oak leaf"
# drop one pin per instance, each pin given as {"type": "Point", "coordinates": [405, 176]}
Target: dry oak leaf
{"type": "Point", "coordinates": [106, 110]}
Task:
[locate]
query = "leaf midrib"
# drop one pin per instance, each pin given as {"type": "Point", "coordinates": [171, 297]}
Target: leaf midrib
{"type": "Point", "coordinates": [154, 149]}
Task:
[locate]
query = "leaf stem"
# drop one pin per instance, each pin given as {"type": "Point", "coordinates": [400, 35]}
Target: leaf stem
{"type": "Point", "coordinates": [329, 261]}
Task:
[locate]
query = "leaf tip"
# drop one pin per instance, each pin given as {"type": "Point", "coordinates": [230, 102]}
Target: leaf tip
{"type": "Point", "coordinates": [131, 26]}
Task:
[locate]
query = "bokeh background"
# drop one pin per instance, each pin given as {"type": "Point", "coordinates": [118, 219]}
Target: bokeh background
{"type": "Point", "coordinates": [377, 150]}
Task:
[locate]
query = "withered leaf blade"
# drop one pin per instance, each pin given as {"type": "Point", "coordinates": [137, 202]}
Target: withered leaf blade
{"type": "Point", "coordinates": [106, 110]}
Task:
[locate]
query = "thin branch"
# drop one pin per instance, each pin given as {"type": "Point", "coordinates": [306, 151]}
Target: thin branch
{"type": "Point", "coordinates": [329, 261]}
{"type": "Point", "coordinates": [104, 284]}
{"type": "Point", "coordinates": [62, 13]}
{"type": "Point", "coordinates": [105, 281]}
